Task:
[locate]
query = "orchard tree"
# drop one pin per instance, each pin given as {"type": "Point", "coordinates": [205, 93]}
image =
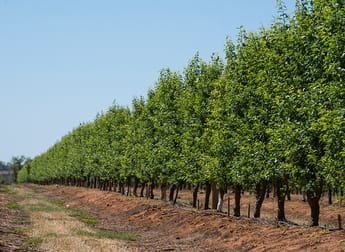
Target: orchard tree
{"type": "Point", "coordinates": [198, 83]}
{"type": "Point", "coordinates": [163, 107]}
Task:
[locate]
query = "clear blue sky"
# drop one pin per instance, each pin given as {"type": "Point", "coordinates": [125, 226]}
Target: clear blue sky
{"type": "Point", "coordinates": [62, 62]}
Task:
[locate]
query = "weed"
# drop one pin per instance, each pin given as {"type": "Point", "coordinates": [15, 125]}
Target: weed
{"type": "Point", "coordinates": [6, 189]}
{"type": "Point", "coordinates": [19, 230]}
{"type": "Point", "coordinates": [34, 241]}
{"type": "Point", "coordinates": [12, 205]}
{"type": "Point", "coordinates": [21, 222]}
{"type": "Point", "coordinates": [84, 216]}
{"type": "Point", "coordinates": [42, 207]}
{"type": "Point", "coordinates": [108, 234]}
{"type": "Point", "coordinates": [58, 203]}
{"type": "Point", "coordinates": [91, 221]}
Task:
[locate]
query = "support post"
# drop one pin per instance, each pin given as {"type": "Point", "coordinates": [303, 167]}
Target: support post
{"type": "Point", "coordinates": [248, 210]}
{"type": "Point", "coordinates": [228, 206]}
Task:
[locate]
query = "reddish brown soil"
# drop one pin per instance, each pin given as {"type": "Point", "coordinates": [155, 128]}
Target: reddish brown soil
{"type": "Point", "coordinates": [162, 227]}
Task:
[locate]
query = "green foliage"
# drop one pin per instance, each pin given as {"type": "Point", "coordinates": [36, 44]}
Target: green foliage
{"type": "Point", "coordinates": [23, 176]}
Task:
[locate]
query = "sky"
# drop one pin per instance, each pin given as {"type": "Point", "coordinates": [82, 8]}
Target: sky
{"type": "Point", "coordinates": [64, 61]}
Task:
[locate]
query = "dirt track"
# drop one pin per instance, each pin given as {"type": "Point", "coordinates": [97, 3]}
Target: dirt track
{"type": "Point", "coordinates": [10, 220]}
{"type": "Point", "coordinates": [54, 228]}
{"type": "Point", "coordinates": [59, 230]}
{"type": "Point", "coordinates": [161, 227]}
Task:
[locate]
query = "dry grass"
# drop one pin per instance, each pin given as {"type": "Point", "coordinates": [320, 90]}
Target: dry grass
{"type": "Point", "coordinates": [56, 227]}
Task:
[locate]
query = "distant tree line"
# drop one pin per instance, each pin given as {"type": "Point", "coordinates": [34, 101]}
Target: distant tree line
{"type": "Point", "coordinates": [9, 171]}
{"type": "Point", "coordinates": [4, 166]}
{"type": "Point", "coordinates": [270, 115]}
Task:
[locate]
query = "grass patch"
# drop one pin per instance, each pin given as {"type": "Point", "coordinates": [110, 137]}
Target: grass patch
{"type": "Point", "coordinates": [91, 221]}
{"type": "Point", "coordinates": [108, 234]}
{"type": "Point", "coordinates": [43, 207]}
{"type": "Point", "coordinates": [19, 230]}
{"type": "Point", "coordinates": [34, 241]}
{"type": "Point", "coordinates": [116, 235]}
{"type": "Point", "coordinates": [58, 203]}
{"type": "Point", "coordinates": [6, 189]}
{"type": "Point", "coordinates": [21, 222]}
{"type": "Point", "coordinates": [85, 233]}
{"type": "Point", "coordinates": [12, 205]}
{"type": "Point", "coordinates": [84, 216]}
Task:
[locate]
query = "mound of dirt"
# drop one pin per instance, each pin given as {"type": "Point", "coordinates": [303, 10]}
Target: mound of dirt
{"type": "Point", "coordinates": [162, 227]}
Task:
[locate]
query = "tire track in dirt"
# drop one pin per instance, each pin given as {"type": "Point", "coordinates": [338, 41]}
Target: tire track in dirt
{"type": "Point", "coordinates": [56, 230]}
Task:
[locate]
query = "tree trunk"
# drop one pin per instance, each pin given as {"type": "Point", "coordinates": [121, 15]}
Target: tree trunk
{"type": "Point", "coordinates": [220, 199]}
{"type": "Point", "coordinates": [128, 191]}
{"type": "Point", "coordinates": [151, 194]}
{"type": "Point", "coordinates": [135, 187]}
{"type": "Point", "coordinates": [215, 193]}
{"type": "Point", "coordinates": [176, 195]}
{"type": "Point", "coordinates": [304, 197]}
{"type": "Point", "coordinates": [237, 209]}
{"type": "Point", "coordinates": [114, 185]}
{"type": "Point", "coordinates": [109, 186]}
{"type": "Point", "coordinates": [288, 194]}
{"type": "Point", "coordinates": [330, 196]}
{"type": "Point", "coordinates": [195, 195]}
{"type": "Point", "coordinates": [171, 193]}
{"type": "Point", "coordinates": [281, 200]}
{"type": "Point", "coordinates": [147, 190]}
{"type": "Point", "coordinates": [143, 185]}
{"type": "Point", "coordinates": [288, 190]}
{"type": "Point", "coordinates": [260, 192]}
{"type": "Point", "coordinates": [313, 201]}
{"type": "Point", "coordinates": [122, 188]}
{"type": "Point", "coordinates": [94, 182]}
{"type": "Point", "coordinates": [268, 192]}
{"type": "Point", "coordinates": [207, 195]}
{"type": "Point", "coordinates": [163, 191]}
{"type": "Point", "coordinates": [87, 182]}
{"type": "Point", "coordinates": [74, 181]}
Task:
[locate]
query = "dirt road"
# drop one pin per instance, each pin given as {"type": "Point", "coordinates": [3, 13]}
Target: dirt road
{"type": "Point", "coordinates": [56, 227]}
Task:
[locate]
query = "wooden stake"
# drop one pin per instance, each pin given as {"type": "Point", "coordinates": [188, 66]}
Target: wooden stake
{"type": "Point", "coordinates": [228, 206]}
{"type": "Point", "coordinates": [339, 222]}
{"type": "Point", "coordinates": [248, 210]}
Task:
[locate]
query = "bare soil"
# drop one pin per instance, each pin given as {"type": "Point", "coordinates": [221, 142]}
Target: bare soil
{"type": "Point", "coordinates": [162, 227]}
